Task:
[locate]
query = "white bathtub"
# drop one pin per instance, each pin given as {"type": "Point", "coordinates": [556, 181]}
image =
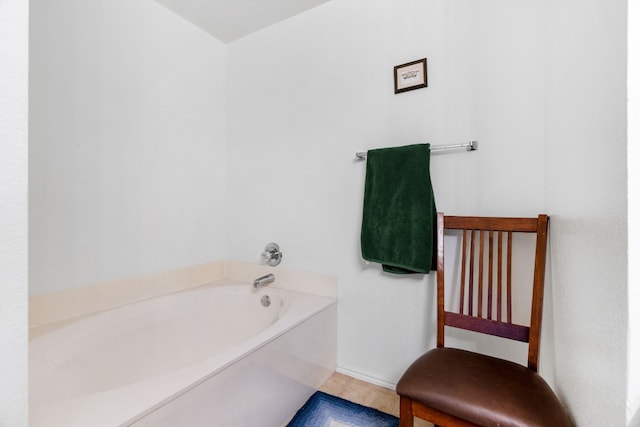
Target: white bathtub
{"type": "Point", "coordinates": [210, 356]}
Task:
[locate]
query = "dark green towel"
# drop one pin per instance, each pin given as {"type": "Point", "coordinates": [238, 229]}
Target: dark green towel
{"type": "Point", "coordinates": [399, 215]}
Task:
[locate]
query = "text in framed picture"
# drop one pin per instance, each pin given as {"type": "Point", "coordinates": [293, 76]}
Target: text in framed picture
{"type": "Point", "coordinates": [410, 76]}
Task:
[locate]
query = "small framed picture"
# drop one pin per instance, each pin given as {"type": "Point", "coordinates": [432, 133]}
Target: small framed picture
{"type": "Point", "coordinates": [410, 76]}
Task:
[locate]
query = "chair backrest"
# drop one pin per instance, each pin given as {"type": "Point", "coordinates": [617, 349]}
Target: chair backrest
{"type": "Point", "coordinates": [485, 288]}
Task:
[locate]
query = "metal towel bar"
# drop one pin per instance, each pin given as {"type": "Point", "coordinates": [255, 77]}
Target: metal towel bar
{"type": "Point", "coordinates": [470, 146]}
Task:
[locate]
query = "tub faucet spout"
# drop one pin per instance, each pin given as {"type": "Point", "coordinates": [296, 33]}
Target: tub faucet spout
{"type": "Point", "coordinates": [264, 280]}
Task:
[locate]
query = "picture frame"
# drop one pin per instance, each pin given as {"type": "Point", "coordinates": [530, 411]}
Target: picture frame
{"type": "Point", "coordinates": [410, 76]}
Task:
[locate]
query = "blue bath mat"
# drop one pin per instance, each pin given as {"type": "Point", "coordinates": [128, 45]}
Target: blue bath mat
{"type": "Point", "coordinates": [325, 410]}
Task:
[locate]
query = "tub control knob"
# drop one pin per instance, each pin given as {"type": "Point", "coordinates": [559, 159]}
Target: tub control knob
{"type": "Point", "coordinates": [272, 254]}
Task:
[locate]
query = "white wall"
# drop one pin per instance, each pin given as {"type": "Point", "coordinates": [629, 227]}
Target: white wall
{"type": "Point", "coordinates": [541, 85]}
{"type": "Point", "coordinates": [14, 29]}
{"type": "Point", "coordinates": [633, 153]}
{"type": "Point", "coordinates": [586, 192]}
{"type": "Point", "coordinates": [305, 95]}
{"type": "Point", "coordinates": [128, 155]}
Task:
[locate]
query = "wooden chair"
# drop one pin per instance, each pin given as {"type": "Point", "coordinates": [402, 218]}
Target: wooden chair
{"type": "Point", "coordinates": [453, 387]}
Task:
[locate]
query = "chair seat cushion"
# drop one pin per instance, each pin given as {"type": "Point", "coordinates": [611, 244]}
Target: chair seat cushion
{"type": "Point", "coordinates": [481, 389]}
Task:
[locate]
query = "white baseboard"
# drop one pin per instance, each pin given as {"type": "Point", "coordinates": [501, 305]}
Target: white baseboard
{"type": "Point", "coordinates": [367, 378]}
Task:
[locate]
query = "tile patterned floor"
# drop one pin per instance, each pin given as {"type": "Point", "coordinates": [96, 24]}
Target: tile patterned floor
{"type": "Point", "coordinates": [367, 394]}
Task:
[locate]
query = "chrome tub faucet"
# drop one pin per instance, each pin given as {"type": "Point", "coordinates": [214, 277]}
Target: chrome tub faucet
{"type": "Point", "coordinates": [264, 280]}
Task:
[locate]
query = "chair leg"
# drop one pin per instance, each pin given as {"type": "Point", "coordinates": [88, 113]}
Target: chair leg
{"type": "Point", "coordinates": [406, 413]}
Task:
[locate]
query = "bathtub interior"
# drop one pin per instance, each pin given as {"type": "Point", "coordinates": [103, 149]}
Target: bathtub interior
{"type": "Point", "coordinates": [70, 361]}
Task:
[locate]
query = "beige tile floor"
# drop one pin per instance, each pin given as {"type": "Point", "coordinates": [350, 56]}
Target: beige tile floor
{"type": "Point", "coordinates": [366, 394]}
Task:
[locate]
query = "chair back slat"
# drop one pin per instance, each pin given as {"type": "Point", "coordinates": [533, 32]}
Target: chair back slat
{"type": "Point", "coordinates": [509, 291]}
{"type": "Point", "coordinates": [481, 275]}
{"type": "Point", "coordinates": [472, 253]}
{"type": "Point", "coordinates": [486, 287]}
{"type": "Point", "coordinates": [463, 270]}
{"type": "Point", "coordinates": [490, 279]}
{"type": "Point", "coordinates": [499, 295]}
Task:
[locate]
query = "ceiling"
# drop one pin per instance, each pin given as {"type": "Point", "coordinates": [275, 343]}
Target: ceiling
{"type": "Point", "coordinates": [229, 20]}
